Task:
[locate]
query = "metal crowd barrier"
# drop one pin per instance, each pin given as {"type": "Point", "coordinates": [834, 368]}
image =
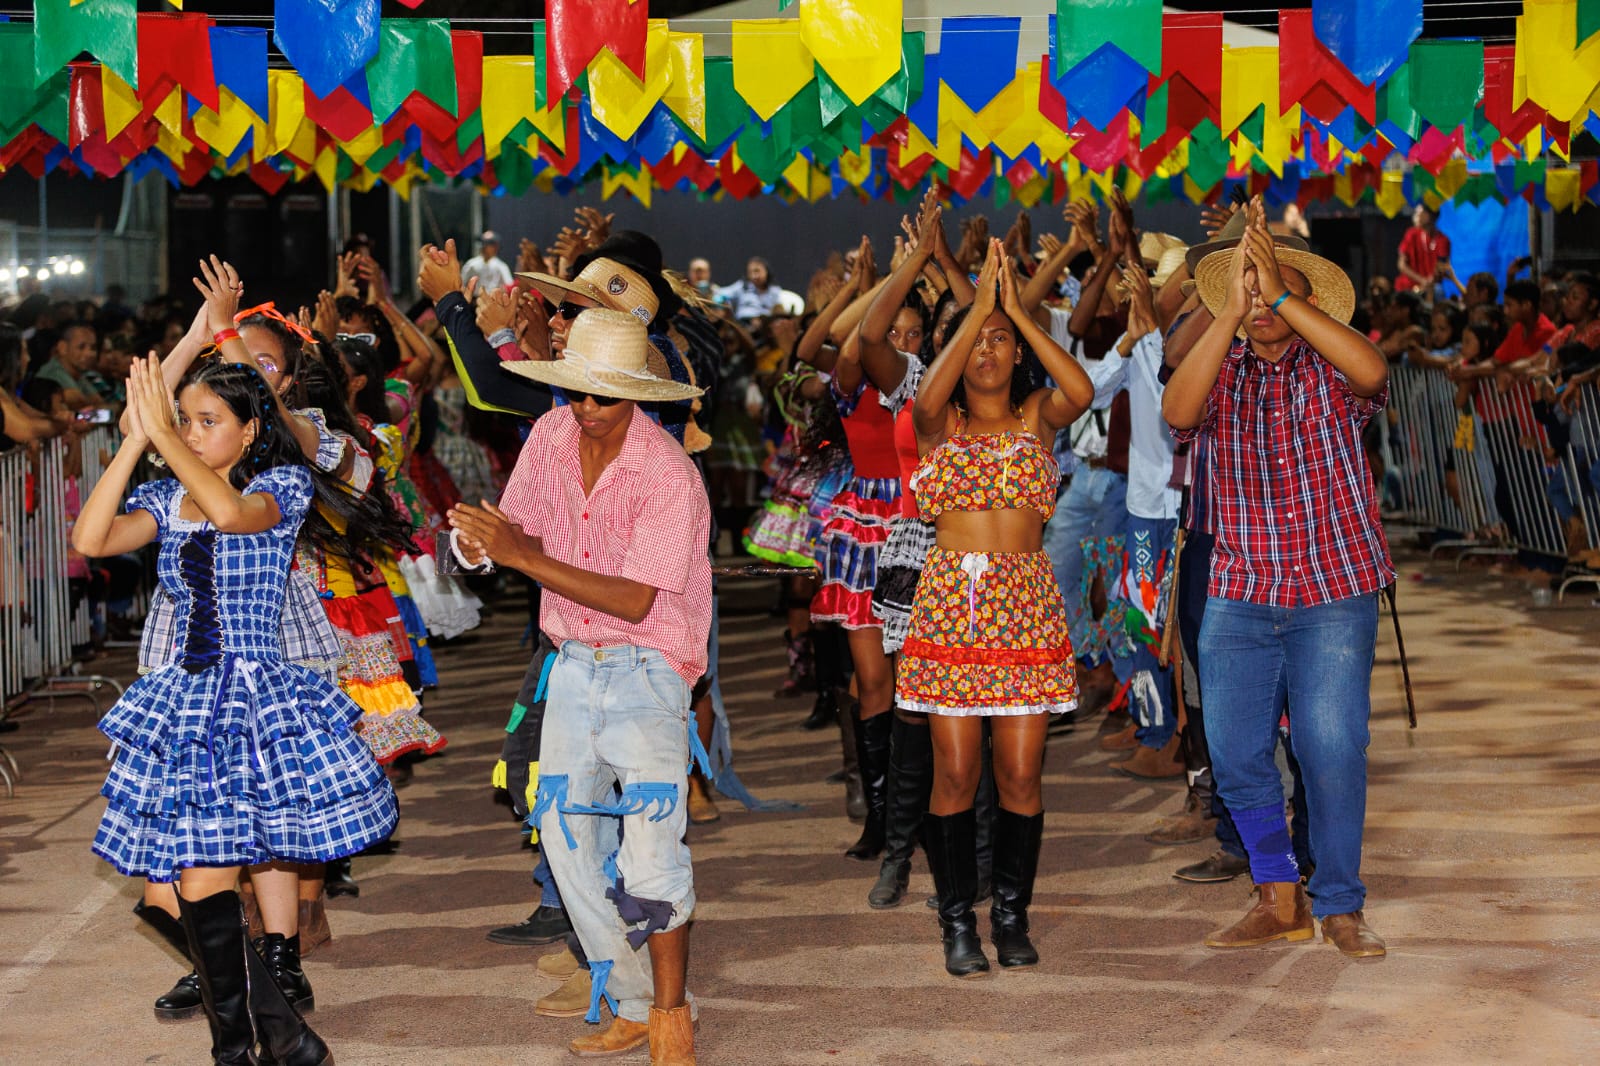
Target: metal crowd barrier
{"type": "Point", "coordinates": [42, 633]}
{"type": "Point", "coordinates": [1498, 501]}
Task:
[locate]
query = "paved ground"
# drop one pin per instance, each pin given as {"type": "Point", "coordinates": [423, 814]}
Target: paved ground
{"type": "Point", "coordinates": [1481, 862]}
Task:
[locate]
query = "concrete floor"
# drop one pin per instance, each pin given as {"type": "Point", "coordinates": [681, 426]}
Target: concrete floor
{"type": "Point", "coordinates": [1481, 863]}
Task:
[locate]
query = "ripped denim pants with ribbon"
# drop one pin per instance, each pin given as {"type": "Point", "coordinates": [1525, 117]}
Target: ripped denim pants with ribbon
{"type": "Point", "coordinates": [616, 748]}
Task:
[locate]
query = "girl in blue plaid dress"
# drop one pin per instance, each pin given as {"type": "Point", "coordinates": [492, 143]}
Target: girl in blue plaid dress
{"type": "Point", "coordinates": [230, 756]}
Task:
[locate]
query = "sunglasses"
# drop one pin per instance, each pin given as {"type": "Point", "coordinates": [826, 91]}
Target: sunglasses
{"type": "Point", "coordinates": [569, 310]}
{"type": "Point", "coordinates": [370, 339]}
{"type": "Point", "coordinates": [576, 399]}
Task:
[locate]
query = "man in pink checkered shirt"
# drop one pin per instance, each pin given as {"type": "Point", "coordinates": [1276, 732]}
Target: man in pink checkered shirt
{"type": "Point", "coordinates": [609, 515]}
{"type": "Point", "coordinates": [1299, 559]}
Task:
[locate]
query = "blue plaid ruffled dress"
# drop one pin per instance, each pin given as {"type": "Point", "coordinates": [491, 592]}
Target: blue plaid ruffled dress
{"type": "Point", "coordinates": [230, 755]}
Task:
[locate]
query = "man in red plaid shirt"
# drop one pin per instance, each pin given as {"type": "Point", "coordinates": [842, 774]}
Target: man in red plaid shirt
{"type": "Point", "coordinates": [1299, 559]}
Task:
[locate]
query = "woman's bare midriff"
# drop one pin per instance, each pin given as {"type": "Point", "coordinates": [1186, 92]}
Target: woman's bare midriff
{"type": "Point", "coordinates": [1016, 530]}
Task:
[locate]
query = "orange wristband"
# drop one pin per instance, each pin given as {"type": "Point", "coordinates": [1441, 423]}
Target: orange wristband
{"type": "Point", "coordinates": [223, 336]}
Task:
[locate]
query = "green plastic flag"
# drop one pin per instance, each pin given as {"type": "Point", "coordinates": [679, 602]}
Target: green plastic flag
{"type": "Point", "coordinates": [1588, 19]}
{"type": "Point", "coordinates": [1208, 154]}
{"type": "Point", "coordinates": [1394, 104]}
{"type": "Point", "coordinates": [106, 29]}
{"type": "Point", "coordinates": [1155, 117]}
{"type": "Point", "coordinates": [1446, 81]}
{"type": "Point", "coordinates": [1134, 26]}
{"type": "Point", "coordinates": [414, 55]}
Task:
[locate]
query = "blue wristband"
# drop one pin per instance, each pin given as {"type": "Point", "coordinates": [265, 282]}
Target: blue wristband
{"type": "Point", "coordinates": [1279, 301]}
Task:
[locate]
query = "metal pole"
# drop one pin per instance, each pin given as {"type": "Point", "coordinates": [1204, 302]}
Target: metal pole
{"type": "Point", "coordinates": [335, 238]}
{"type": "Point", "coordinates": [397, 282]}
{"type": "Point", "coordinates": [44, 222]}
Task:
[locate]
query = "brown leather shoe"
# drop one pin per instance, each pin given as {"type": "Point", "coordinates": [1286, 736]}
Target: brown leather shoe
{"type": "Point", "coordinates": [671, 1037]}
{"type": "Point", "coordinates": [1281, 913]}
{"type": "Point", "coordinates": [313, 925]}
{"type": "Point", "coordinates": [571, 1000]}
{"type": "Point", "coordinates": [561, 965]}
{"type": "Point", "coordinates": [702, 808]}
{"type": "Point", "coordinates": [622, 1037]}
{"type": "Point", "coordinates": [1123, 740]}
{"type": "Point", "coordinates": [1351, 935]}
{"type": "Point", "coordinates": [1192, 826]}
{"type": "Point", "coordinates": [1152, 764]}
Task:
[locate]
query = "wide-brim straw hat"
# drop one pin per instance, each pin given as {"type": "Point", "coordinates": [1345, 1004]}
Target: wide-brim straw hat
{"type": "Point", "coordinates": [1229, 237]}
{"type": "Point", "coordinates": [1152, 246]}
{"type": "Point", "coordinates": [1336, 297]}
{"type": "Point", "coordinates": [606, 282]}
{"type": "Point", "coordinates": [608, 353]}
{"type": "Point", "coordinates": [1171, 262]}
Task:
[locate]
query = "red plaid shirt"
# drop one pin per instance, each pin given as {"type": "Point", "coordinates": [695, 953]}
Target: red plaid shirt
{"type": "Point", "coordinates": [1289, 491]}
{"type": "Point", "coordinates": [647, 520]}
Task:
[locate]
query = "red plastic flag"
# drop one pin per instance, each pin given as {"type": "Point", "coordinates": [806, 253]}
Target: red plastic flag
{"type": "Point", "coordinates": [576, 30]}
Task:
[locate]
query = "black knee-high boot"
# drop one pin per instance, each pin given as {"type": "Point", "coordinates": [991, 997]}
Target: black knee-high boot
{"type": "Point", "coordinates": [218, 945]}
{"type": "Point", "coordinates": [1016, 864]}
{"type": "Point", "coordinates": [984, 805]}
{"type": "Point", "coordinates": [286, 1039]}
{"type": "Point", "coordinates": [910, 784]}
{"type": "Point", "coordinates": [183, 999]}
{"type": "Point", "coordinates": [872, 756]}
{"type": "Point", "coordinates": [830, 657]}
{"type": "Point", "coordinates": [952, 856]}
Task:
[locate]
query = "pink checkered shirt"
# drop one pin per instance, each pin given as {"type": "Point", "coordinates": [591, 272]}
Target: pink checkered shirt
{"type": "Point", "coordinates": [647, 520]}
{"type": "Point", "coordinates": [1290, 494]}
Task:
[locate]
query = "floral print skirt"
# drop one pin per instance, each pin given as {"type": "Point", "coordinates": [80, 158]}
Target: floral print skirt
{"type": "Point", "coordinates": [988, 637]}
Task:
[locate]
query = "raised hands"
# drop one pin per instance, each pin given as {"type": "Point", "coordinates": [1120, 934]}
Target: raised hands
{"type": "Point", "coordinates": [438, 270]}
{"type": "Point", "coordinates": [596, 226]}
{"type": "Point", "coordinates": [150, 403]}
{"type": "Point", "coordinates": [497, 310]}
{"type": "Point", "coordinates": [530, 260]}
{"type": "Point", "coordinates": [348, 267]}
{"type": "Point", "coordinates": [326, 319]}
{"type": "Point", "coordinates": [1262, 253]}
{"type": "Point", "coordinates": [866, 275]}
{"type": "Point", "coordinates": [220, 287]}
{"type": "Point", "coordinates": [1212, 219]}
{"type": "Point", "coordinates": [1141, 301]}
{"type": "Point", "coordinates": [983, 303]}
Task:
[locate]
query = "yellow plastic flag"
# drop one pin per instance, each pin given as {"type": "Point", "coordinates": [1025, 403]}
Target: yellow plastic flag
{"type": "Point", "coordinates": [326, 167]}
{"type": "Point", "coordinates": [364, 145]}
{"type": "Point", "coordinates": [169, 112]}
{"type": "Point", "coordinates": [686, 92]}
{"type": "Point", "coordinates": [770, 63]}
{"type": "Point", "coordinates": [287, 102]}
{"type": "Point", "coordinates": [172, 145]}
{"type": "Point", "coordinates": [620, 101]}
{"type": "Point", "coordinates": [1451, 178]}
{"type": "Point", "coordinates": [1391, 198]}
{"type": "Point", "coordinates": [1249, 81]}
{"type": "Point", "coordinates": [856, 167]}
{"type": "Point", "coordinates": [1552, 67]}
{"type": "Point", "coordinates": [508, 99]}
{"type": "Point", "coordinates": [807, 181]}
{"type": "Point", "coordinates": [1563, 187]}
{"type": "Point", "coordinates": [640, 184]}
{"type": "Point", "coordinates": [856, 41]}
{"type": "Point", "coordinates": [225, 128]}
{"type": "Point", "coordinates": [119, 102]}
{"type": "Point", "coordinates": [1344, 190]}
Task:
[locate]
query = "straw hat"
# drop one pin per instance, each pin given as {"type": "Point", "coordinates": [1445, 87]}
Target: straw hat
{"type": "Point", "coordinates": [606, 282]}
{"type": "Point", "coordinates": [1229, 237]}
{"type": "Point", "coordinates": [1152, 246]}
{"type": "Point", "coordinates": [1170, 261]}
{"type": "Point", "coordinates": [608, 353]}
{"type": "Point", "coordinates": [1336, 297]}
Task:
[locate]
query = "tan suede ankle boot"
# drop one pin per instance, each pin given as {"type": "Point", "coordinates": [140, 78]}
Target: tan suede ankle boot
{"type": "Point", "coordinates": [1281, 913]}
{"type": "Point", "coordinates": [671, 1037]}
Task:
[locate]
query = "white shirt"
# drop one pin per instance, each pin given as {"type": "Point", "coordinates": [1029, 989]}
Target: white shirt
{"type": "Point", "coordinates": [1088, 434]}
{"type": "Point", "coordinates": [1150, 443]}
{"type": "Point", "coordinates": [492, 273]}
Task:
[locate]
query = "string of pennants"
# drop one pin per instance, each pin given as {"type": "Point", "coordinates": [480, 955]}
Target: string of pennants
{"type": "Point", "coordinates": [1351, 104]}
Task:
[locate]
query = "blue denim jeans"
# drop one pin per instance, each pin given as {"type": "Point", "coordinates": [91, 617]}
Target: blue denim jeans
{"type": "Point", "coordinates": [1150, 696]}
{"type": "Point", "coordinates": [1094, 505]}
{"type": "Point", "coordinates": [1321, 657]}
{"type": "Point", "coordinates": [617, 718]}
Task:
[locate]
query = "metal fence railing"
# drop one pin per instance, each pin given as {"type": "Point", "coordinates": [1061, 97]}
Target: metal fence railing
{"type": "Point", "coordinates": [46, 618]}
{"type": "Point", "coordinates": [1486, 469]}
